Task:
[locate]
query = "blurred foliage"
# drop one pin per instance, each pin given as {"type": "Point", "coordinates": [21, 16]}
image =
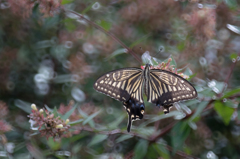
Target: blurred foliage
{"type": "Point", "coordinates": [52, 57]}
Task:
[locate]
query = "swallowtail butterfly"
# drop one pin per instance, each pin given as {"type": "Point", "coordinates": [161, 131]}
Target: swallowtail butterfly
{"type": "Point", "coordinates": [161, 87]}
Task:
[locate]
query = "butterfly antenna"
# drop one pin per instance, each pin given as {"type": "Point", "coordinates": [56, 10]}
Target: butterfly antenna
{"type": "Point", "coordinates": [141, 49]}
{"type": "Point", "coordinates": [161, 49]}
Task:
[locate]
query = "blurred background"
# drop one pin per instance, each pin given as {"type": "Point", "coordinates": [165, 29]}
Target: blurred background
{"type": "Point", "coordinates": [51, 57]}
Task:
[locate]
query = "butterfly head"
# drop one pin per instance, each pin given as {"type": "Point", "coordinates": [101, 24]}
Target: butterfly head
{"type": "Point", "coordinates": [148, 65]}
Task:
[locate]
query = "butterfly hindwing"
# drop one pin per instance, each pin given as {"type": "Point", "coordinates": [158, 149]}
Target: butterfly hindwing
{"type": "Point", "coordinates": [135, 105]}
{"type": "Point", "coordinates": [135, 111]}
{"type": "Point", "coordinates": [118, 84]}
{"type": "Point", "coordinates": [124, 85]}
{"type": "Point", "coordinates": [166, 88]}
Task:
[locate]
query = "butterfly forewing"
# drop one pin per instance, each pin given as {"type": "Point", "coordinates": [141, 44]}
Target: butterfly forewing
{"type": "Point", "coordinates": [165, 88]}
{"type": "Point", "coordinates": [118, 84]}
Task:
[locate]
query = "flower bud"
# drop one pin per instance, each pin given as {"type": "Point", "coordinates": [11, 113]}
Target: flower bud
{"type": "Point", "coordinates": [59, 126]}
{"type": "Point", "coordinates": [67, 121]}
{"type": "Point", "coordinates": [33, 106]}
{"type": "Point", "coordinates": [41, 111]}
{"type": "Point", "coordinates": [169, 60]}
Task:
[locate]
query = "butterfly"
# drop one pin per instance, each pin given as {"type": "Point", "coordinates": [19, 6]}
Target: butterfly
{"type": "Point", "coordinates": [162, 88]}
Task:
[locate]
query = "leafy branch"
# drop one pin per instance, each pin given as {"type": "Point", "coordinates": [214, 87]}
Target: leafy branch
{"type": "Point", "coordinates": [131, 153]}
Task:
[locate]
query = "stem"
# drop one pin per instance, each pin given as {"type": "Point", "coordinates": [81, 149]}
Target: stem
{"type": "Point", "coordinates": [108, 33]}
{"type": "Point", "coordinates": [229, 76]}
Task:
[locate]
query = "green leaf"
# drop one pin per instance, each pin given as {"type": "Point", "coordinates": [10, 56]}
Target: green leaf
{"type": "Point", "coordinates": [181, 46]}
{"type": "Point", "coordinates": [155, 63]}
{"type": "Point", "coordinates": [76, 148]}
{"type": "Point", "coordinates": [48, 109]}
{"type": "Point", "coordinates": [97, 139]}
{"type": "Point", "coordinates": [35, 152]}
{"type": "Point", "coordinates": [199, 109]}
{"type": "Point", "coordinates": [66, 1]}
{"type": "Point", "coordinates": [25, 106]}
{"type": "Point", "coordinates": [123, 138]}
{"type": "Point", "coordinates": [207, 93]}
{"type": "Point", "coordinates": [161, 150]}
{"type": "Point", "coordinates": [140, 149]}
{"type": "Point", "coordinates": [75, 122]}
{"type": "Point", "coordinates": [220, 86]}
{"type": "Point", "coordinates": [77, 137]}
{"type": "Point", "coordinates": [87, 9]}
{"type": "Point", "coordinates": [232, 4]}
{"type": "Point", "coordinates": [233, 28]}
{"type": "Point", "coordinates": [139, 40]}
{"type": "Point", "coordinates": [115, 123]}
{"type": "Point", "coordinates": [116, 52]}
{"type": "Point", "coordinates": [224, 111]}
{"type": "Point", "coordinates": [191, 76]}
{"type": "Point", "coordinates": [55, 112]}
{"type": "Point", "coordinates": [69, 113]}
{"type": "Point", "coordinates": [233, 56]}
{"type": "Point", "coordinates": [91, 117]}
{"type": "Point", "coordinates": [159, 117]}
{"type": "Point", "coordinates": [230, 93]}
{"type": "Point", "coordinates": [70, 24]}
{"type": "Point", "coordinates": [179, 134]}
{"type": "Point", "coordinates": [104, 24]}
{"type": "Point", "coordinates": [188, 72]}
{"type": "Point", "coordinates": [54, 145]}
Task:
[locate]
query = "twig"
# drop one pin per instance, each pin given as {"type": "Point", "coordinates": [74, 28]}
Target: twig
{"type": "Point", "coordinates": [108, 33]}
{"type": "Point", "coordinates": [180, 153]}
{"type": "Point", "coordinates": [129, 155]}
{"type": "Point", "coordinates": [117, 131]}
{"type": "Point", "coordinates": [230, 73]}
{"type": "Point", "coordinates": [162, 133]}
{"type": "Point", "coordinates": [229, 76]}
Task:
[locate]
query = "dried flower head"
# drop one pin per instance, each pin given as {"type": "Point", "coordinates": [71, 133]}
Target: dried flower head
{"type": "Point", "coordinates": [168, 67]}
{"type": "Point", "coordinates": [4, 127]}
{"type": "Point", "coordinates": [48, 124]}
{"type": "Point", "coordinates": [203, 22]}
{"type": "Point", "coordinates": [3, 109]}
{"type": "Point", "coordinates": [24, 8]}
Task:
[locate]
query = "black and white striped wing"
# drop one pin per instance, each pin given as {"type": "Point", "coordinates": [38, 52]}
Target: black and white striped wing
{"type": "Point", "coordinates": [135, 106]}
{"type": "Point", "coordinates": [118, 84]}
{"type": "Point", "coordinates": [165, 88]}
{"type": "Point", "coordinates": [126, 86]}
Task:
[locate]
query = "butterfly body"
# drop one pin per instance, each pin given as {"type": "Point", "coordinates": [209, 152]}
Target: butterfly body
{"type": "Point", "coordinates": [163, 88]}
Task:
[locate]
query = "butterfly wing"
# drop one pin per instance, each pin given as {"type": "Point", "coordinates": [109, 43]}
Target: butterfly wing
{"type": "Point", "coordinates": [124, 85]}
{"type": "Point", "coordinates": [118, 84]}
{"type": "Point", "coordinates": [135, 106]}
{"type": "Point", "coordinates": [166, 88]}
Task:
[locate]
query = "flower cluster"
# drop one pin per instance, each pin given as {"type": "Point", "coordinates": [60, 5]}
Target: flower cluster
{"type": "Point", "coordinates": [48, 124]}
{"type": "Point", "coordinates": [4, 126]}
{"type": "Point", "coordinates": [203, 22]}
{"type": "Point", "coordinates": [152, 12]}
{"type": "Point", "coordinates": [24, 7]}
{"type": "Point", "coordinates": [168, 67]}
